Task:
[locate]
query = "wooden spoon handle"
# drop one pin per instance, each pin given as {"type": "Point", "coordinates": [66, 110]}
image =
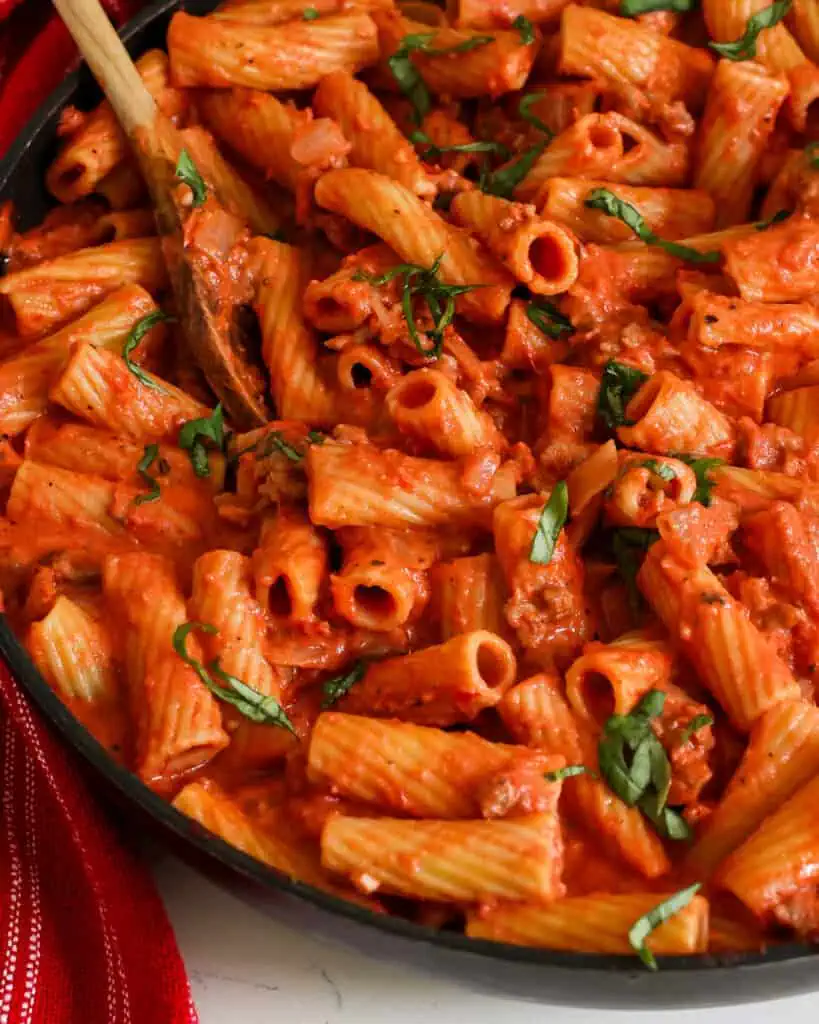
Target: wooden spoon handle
{"type": "Point", "coordinates": [109, 61]}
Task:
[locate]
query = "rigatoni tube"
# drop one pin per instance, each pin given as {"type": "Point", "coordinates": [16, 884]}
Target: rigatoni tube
{"type": "Point", "coordinates": [441, 685]}
{"type": "Point", "coordinates": [540, 253]}
{"type": "Point", "coordinates": [449, 861]}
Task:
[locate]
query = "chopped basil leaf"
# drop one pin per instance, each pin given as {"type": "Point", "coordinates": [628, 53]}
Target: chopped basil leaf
{"type": "Point", "coordinates": [701, 467]}
{"type": "Point", "coordinates": [310, 14]}
{"type": "Point", "coordinates": [660, 469]}
{"type": "Point", "coordinates": [612, 206]}
{"type": "Point", "coordinates": [645, 925]}
{"type": "Point", "coordinates": [548, 318]}
{"type": "Point", "coordinates": [334, 689]}
{"type": "Point", "coordinates": [667, 822]}
{"type": "Point", "coordinates": [150, 454]}
{"type": "Point", "coordinates": [433, 151]}
{"type": "Point", "coordinates": [439, 298]}
{"type": "Point", "coordinates": [135, 336]}
{"type": "Point", "coordinates": [670, 824]}
{"type": "Point", "coordinates": [463, 47]}
{"type": "Point", "coordinates": [194, 434]}
{"type": "Point", "coordinates": [568, 772]}
{"type": "Point", "coordinates": [252, 704]}
{"type": "Point", "coordinates": [408, 77]}
{"type": "Point", "coordinates": [275, 442]}
{"type": "Point", "coordinates": [528, 101]}
{"type": "Point", "coordinates": [629, 546]}
{"type": "Point", "coordinates": [696, 723]}
{"type": "Point", "coordinates": [778, 217]}
{"type": "Point", "coordinates": [409, 81]}
{"type": "Point", "coordinates": [634, 8]}
{"type": "Point", "coordinates": [505, 180]}
{"type": "Point", "coordinates": [618, 385]}
{"type": "Point", "coordinates": [810, 149]}
{"type": "Point", "coordinates": [549, 525]}
{"type": "Point", "coordinates": [744, 48]}
{"type": "Point", "coordinates": [636, 767]}
{"type": "Point", "coordinates": [526, 29]}
{"type": "Point", "coordinates": [186, 172]}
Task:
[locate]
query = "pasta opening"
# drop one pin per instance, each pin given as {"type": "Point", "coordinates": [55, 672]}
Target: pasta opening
{"type": "Point", "coordinates": [493, 664]}
{"type": "Point", "coordinates": [598, 697]}
{"type": "Point", "coordinates": [327, 308]}
{"type": "Point", "coordinates": [630, 142]}
{"type": "Point", "coordinates": [69, 177]}
{"type": "Point", "coordinates": [8, 318]}
{"type": "Point", "coordinates": [361, 375]}
{"type": "Point", "coordinates": [548, 258]}
{"type": "Point", "coordinates": [602, 136]}
{"type": "Point", "coordinates": [107, 234]}
{"type": "Point", "coordinates": [279, 600]}
{"type": "Point", "coordinates": [374, 604]}
{"type": "Point", "coordinates": [417, 393]}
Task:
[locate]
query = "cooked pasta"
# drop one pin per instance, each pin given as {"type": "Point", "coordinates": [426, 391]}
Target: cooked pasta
{"type": "Point", "coordinates": [514, 605]}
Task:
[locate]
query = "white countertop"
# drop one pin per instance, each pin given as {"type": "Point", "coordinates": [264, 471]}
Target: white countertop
{"type": "Point", "coordinates": [247, 968]}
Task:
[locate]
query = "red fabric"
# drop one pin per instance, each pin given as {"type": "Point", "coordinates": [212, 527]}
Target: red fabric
{"type": "Point", "coordinates": [83, 934]}
{"type": "Point", "coordinates": [35, 53]}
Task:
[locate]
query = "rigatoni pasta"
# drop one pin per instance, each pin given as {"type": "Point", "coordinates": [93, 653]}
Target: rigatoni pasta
{"type": "Point", "coordinates": [507, 614]}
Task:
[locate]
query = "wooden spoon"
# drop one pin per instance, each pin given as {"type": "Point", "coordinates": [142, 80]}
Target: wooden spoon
{"type": "Point", "coordinates": [207, 319]}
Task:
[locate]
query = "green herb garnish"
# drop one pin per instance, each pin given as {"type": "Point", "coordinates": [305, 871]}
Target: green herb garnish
{"type": "Point", "coordinates": [618, 385]}
{"type": "Point", "coordinates": [645, 925]}
{"type": "Point", "coordinates": [150, 454]}
{"type": "Point", "coordinates": [505, 180]}
{"type": "Point", "coordinates": [186, 172]}
{"type": "Point", "coordinates": [744, 48]}
{"type": "Point", "coordinates": [526, 29]}
{"type": "Point", "coordinates": [551, 522]}
{"type": "Point", "coordinates": [135, 336]}
{"type": "Point", "coordinates": [408, 77]}
{"type": "Point", "coordinates": [337, 687]}
{"type": "Point", "coordinates": [548, 318]}
{"type": "Point", "coordinates": [697, 722]}
{"type": "Point", "coordinates": [196, 435]}
{"type": "Point", "coordinates": [634, 8]}
{"type": "Point", "coordinates": [607, 202]}
{"type": "Point", "coordinates": [310, 14]}
{"type": "Point", "coordinates": [629, 546]}
{"type": "Point", "coordinates": [439, 298]}
{"type": "Point", "coordinates": [568, 772]}
{"type": "Point", "coordinates": [778, 217]}
{"type": "Point", "coordinates": [248, 701]}
{"type": "Point", "coordinates": [275, 442]}
{"type": "Point", "coordinates": [636, 767]}
{"type": "Point", "coordinates": [433, 151]}
{"type": "Point", "coordinates": [701, 467]}
{"type": "Point", "coordinates": [660, 469]}
{"type": "Point", "coordinates": [524, 109]}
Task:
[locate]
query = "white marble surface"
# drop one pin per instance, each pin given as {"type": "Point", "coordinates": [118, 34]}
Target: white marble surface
{"type": "Point", "coordinates": [247, 968]}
